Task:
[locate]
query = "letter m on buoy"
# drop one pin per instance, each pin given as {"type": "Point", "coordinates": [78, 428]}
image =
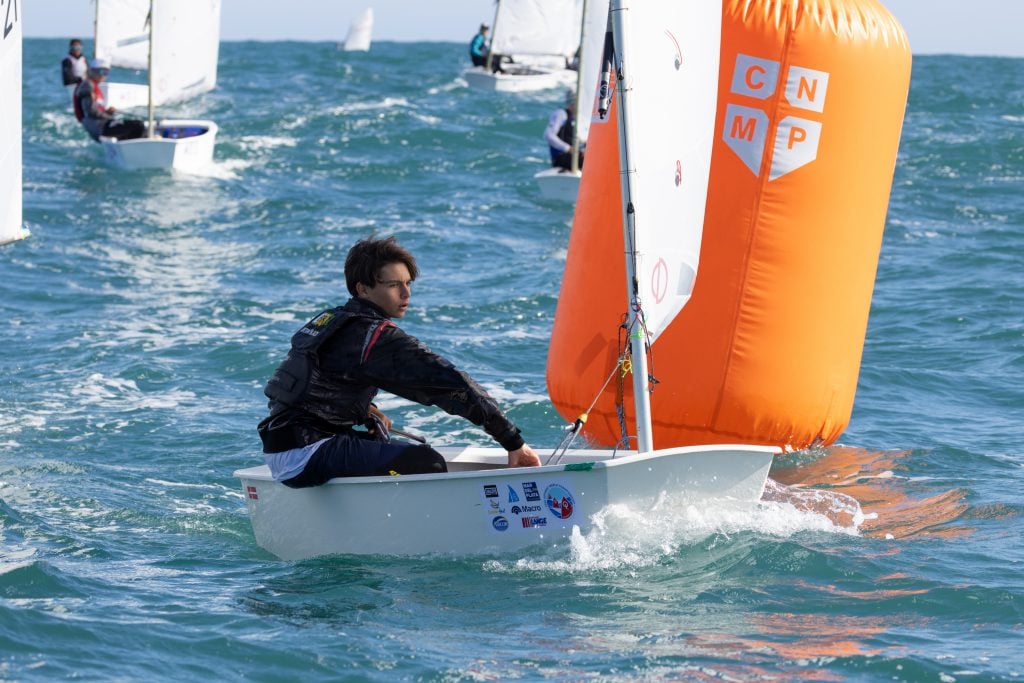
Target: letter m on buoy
{"type": "Point", "coordinates": [746, 129]}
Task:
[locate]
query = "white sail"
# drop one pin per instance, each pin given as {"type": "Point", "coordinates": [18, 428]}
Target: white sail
{"type": "Point", "coordinates": [122, 32]}
{"type": "Point", "coordinates": [595, 22]}
{"type": "Point", "coordinates": [186, 47]}
{"type": "Point", "coordinates": [672, 76]}
{"type": "Point", "coordinates": [10, 131]}
{"type": "Point", "coordinates": [360, 32]}
{"type": "Point", "coordinates": [186, 44]}
{"type": "Point", "coordinates": [537, 27]}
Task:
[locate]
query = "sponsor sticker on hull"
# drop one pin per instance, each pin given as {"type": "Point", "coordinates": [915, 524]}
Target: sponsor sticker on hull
{"type": "Point", "coordinates": [521, 506]}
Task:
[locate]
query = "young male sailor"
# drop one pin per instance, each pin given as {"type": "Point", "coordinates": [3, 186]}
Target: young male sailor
{"type": "Point", "coordinates": [338, 362]}
{"type": "Point", "coordinates": [92, 111]}
{"type": "Point", "coordinates": [559, 132]}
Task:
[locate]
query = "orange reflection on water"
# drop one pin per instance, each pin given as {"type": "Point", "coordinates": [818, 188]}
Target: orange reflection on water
{"type": "Point", "coordinates": [817, 635]}
{"type": "Point", "coordinates": [871, 477]}
{"type": "Point", "coordinates": [806, 641]}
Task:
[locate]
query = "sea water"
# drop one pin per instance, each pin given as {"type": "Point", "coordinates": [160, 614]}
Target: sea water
{"type": "Point", "coordinates": [141, 319]}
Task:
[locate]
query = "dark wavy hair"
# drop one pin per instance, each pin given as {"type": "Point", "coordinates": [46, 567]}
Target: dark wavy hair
{"type": "Point", "coordinates": [367, 256]}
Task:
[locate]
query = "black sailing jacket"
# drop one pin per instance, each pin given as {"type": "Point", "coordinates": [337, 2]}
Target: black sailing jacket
{"type": "Point", "coordinates": [338, 362]}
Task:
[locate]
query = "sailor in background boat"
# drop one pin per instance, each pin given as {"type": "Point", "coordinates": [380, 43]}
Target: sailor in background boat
{"type": "Point", "coordinates": [558, 133]}
{"type": "Point", "coordinates": [478, 46]}
{"type": "Point", "coordinates": [338, 362]}
{"type": "Point", "coordinates": [74, 65]}
{"type": "Point", "coordinates": [92, 111]}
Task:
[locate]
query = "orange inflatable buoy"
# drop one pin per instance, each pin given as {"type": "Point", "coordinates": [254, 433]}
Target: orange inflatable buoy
{"type": "Point", "coordinates": [810, 106]}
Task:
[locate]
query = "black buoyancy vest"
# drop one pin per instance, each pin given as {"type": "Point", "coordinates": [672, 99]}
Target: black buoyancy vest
{"type": "Point", "coordinates": [301, 382]}
{"type": "Point", "coordinates": [565, 132]}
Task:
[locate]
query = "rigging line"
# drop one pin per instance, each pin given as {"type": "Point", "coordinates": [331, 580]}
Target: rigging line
{"type": "Point", "coordinates": [625, 350]}
{"type": "Point", "coordinates": [640, 321]}
{"type": "Point", "coordinates": [577, 426]}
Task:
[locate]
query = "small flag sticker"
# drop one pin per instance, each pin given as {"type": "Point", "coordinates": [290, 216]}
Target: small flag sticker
{"type": "Point", "coordinates": [251, 490]}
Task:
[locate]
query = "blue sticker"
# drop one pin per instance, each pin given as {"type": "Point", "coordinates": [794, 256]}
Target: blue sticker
{"type": "Point", "coordinates": [512, 496]}
{"type": "Point", "coordinates": [530, 488]}
{"type": "Point", "coordinates": [500, 523]}
{"type": "Point", "coordinates": [559, 501]}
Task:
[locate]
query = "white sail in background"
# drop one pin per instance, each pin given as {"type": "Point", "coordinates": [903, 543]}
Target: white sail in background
{"type": "Point", "coordinates": [186, 45]}
{"type": "Point", "coordinates": [537, 27]}
{"type": "Point", "coordinates": [595, 24]}
{"type": "Point", "coordinates": [10, 131]}
{"type": "Point", "coordinates": [360, 32]}
{"type": "Point", "coordinates": [122, 32]}
{"type": "Point", "coordinates": [672, 64]}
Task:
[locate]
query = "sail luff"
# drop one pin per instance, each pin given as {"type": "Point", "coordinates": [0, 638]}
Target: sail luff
{"type": "Point", "coordinates": [637, 332]}
{"type": "Point", "coordinates": [595, 23]}
{"type": "Point", "coordinates": [10, 133]}
{"type": "Point", "coordinates": [574, 151]}
{"type": "Point", "coordinates": [494, 30]}
{"type": "Point", "coordinates": [150, 106]}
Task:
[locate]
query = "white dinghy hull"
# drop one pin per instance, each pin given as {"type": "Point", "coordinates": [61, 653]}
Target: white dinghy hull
{"type": "Point", "coordinates": [482, 507]}
{"type": "Point", "coordinates": [525, 80]}
{"type": "Point", "coordinates": [559, 184]}
{"type": "Point", "coordinates": [183, 148]}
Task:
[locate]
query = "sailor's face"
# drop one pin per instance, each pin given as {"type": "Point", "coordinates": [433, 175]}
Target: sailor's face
{"type": "Point", "coordinates": [392, 291]}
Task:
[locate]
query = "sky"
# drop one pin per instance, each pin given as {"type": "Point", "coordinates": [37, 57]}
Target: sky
{"type": "Point", "coordinates": [970, 27]}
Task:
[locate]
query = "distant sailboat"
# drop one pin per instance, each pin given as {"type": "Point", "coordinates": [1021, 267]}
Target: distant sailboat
{"type": "Point", "coordinates": [558, 183]}
{"type": "Point", "coordinates": [481, 506]}
{"type": "Point", "coordinates": [176, 71]}
{"type": "Point", "coordinates": [122, 36]}
{"type": "Point", "coordinates": [360, 32]}
{"type": "Point", "coordinates": [10, 132]}
{"type": "Point", "coordinates": [540, 36]}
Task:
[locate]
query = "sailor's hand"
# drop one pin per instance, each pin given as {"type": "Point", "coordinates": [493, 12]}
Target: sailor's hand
{"type": "Point", "coordinates": [374, 410]}
{"type": "Point", "coordinates": [111, 110]}
{"type": "Point", "coordinates": [523, 456]}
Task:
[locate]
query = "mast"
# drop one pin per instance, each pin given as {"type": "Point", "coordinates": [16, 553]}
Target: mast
{"type": "Point", "coordinates": [575, 151]}
{"type": "Point", "coordinates": [150, 128]}
{"type": "Point", "coordinates": [619, 18]}
{"type": "Point", "coordinates": [494, 32]}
